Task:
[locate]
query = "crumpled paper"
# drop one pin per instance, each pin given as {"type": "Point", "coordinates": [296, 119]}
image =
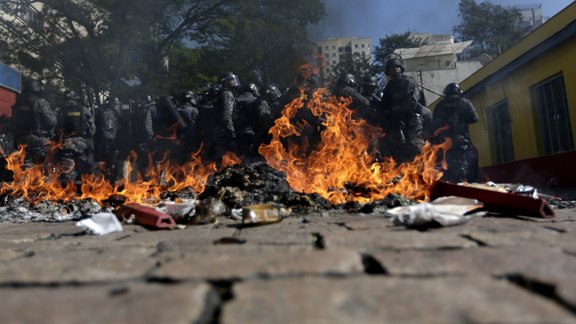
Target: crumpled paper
{"type": "Point", "coordinates": [101, 224]}
{"type": "Point", "coordinates": [444, 211]}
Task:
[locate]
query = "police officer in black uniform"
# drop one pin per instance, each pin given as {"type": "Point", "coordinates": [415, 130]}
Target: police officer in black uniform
{"type": "Point", "coordinates": [224, 133]}
{"type": "Point", "coordinates": [76, 128]}
{"type": "Point", "coordinates": [107, 123]}
{"type": "Point", "coordinates": [252, 119]}
{"type": "Point", "coordinates": [452, 116]}
{"type": "Point", "coordinates": [33, 122]}
{"type": "Point", "coordinates": [142, 131]}
{"type": "Point", "coordinates": [189, 134]}
{"type": "Point", "coordinates": [346, 87]}
{"type": "Point", "coordinates": [401, 114]}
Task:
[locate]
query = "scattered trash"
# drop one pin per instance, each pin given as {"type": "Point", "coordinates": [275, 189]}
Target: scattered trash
{"type": "Point", "coordinates": [207, 211]}
{"type": "Point", "coordinates": [101, 224]}
{"type": "Point", "coordinates": [146, 216]}
{"type": "Point", "coordinates": [445, 211]}
{"type": "Point", "coordinates": [263, 214]}
{"type": "Point", "coordinates": [182, 210]}
{"type": "Point", "coordinates": [495, 200]}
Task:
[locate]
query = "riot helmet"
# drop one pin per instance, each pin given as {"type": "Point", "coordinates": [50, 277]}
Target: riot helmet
{"type": "Point", "coordinates": [253, 89]}
{"type": "Point", "coordinates": [113, 103]}
{"type": "Point", "coordinates": [347, 80]}
{"type": "Point", "coordinates": [272, 92]}
{"type": "Point", "coordinates": [189, 96]}
{"type": "Point", "coordinates": [229, 80]}
{"type": "Point", "coordinates": [452, 89]}
{"type": "Point", "coordinates": [370, 81]}
{"type": "Point", "coordinates": [393, 63]}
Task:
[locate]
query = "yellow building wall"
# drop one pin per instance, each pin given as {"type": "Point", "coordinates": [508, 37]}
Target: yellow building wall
{"type": "Point", "coordinates": [515, 88]}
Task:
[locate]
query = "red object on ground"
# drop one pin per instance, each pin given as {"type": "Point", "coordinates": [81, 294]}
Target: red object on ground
{"type": "Point", "coordinates": [7, 100]}
{"type": "Point", "coordinates": [495, 201]}
{"type": "Point", "coordinates": [146, 216]}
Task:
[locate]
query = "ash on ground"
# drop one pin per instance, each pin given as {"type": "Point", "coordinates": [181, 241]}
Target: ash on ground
{"type": "Point", "coordinates": [18, 210]}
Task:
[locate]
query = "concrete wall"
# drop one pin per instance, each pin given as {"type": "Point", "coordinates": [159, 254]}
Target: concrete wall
{"type": "Point", "coordinates": [436, 80]}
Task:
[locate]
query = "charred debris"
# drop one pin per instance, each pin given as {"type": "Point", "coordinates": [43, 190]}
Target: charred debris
{"type": "Point", "coordinates": [241, 191]}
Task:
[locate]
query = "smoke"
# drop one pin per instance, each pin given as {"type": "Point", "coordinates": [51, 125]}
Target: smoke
{"type": "Point", "coordinates": [376, 18]}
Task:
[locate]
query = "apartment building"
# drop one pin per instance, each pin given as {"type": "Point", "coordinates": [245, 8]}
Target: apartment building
{"type": "Point", "coordinates": [335, 50]}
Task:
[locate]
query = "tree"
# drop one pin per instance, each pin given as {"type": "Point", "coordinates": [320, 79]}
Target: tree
{"type": "Point", "coordinates": [96, 46]}
{"type": "Point", "coordinates": [265, 41]}
{"type": "Point", "coordinates": [389, 44]}
{"type": "Point", "coordinates": [358, 65]}
{"type": "Point", "coordinates": [491, 27]}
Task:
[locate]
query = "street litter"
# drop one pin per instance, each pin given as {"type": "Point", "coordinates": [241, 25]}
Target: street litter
{"type": "Point", "coordinates": [101, 224]}
{"type": "Point", "coordinates": [496, 200]}
{"type": "Point", "coordinates": [146, 216]}
{"type": "Point", "coordinates": [262, 214]}
{"type": "Point", "coordinates": [445, 211]}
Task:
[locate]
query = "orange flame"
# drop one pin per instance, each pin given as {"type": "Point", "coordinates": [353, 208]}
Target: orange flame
{"type": "Point", "coordinates": [34, 185]}
{"type": "Point", "coordinates": [342, 160]}
{"type": "Point", "coordinates": [340, 168]}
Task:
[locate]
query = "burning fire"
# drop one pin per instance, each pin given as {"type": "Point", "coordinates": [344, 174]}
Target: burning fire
{"type": "Point", "coordinates": [340, 167]}
{"type": "Point", "coordinates": [34, 185]}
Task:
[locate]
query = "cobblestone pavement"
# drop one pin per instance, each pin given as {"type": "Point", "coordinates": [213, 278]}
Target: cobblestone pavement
{"type": "Point", "coordinates": [320, 268]}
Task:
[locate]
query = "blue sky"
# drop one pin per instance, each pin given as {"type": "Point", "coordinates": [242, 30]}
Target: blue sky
{"type": "Point", "coordinates": [378, 18]}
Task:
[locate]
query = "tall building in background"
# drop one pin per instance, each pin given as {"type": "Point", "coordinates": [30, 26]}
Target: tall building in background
{"type": "Point", "coordinates": [336, 50]}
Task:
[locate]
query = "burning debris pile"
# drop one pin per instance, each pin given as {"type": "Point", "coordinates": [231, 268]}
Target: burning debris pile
{"type": "Point", "coordinates": [337, 171]}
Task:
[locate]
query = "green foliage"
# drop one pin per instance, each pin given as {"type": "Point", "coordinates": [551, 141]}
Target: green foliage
{"type": "Point", "coordinates": [491, 27]}
{"type": "Point", "coordinates": [92, 46]}
{"type": "Point", "coordinates": [265, 41]}
{"type": "Point", "coordinates": [358, 65]}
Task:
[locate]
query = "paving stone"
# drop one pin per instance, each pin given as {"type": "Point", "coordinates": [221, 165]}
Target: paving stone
{"type": "Point", "coordinates": [78, 266]}
{"type": "Point", "coordinates": [124, 303]}
{"type": "Point", "coordinates": [550, 266]}
{"type": "Point", "coordinates": [480, 260]}
{"type": "Point", "coordinates": [399, 239]}
{"type": "Point", "coordinates": [388, 300]}
{"type": "Point", "coordinates": [497, 225]}
{"type": "Point", "coordinates": [220, 265]}
{"type": "Point", "coordinates": [30, 232]}
{"type": "Point", "coordinates": [563, 240]}
{"type": "Point", "coordinates": [9, 254]}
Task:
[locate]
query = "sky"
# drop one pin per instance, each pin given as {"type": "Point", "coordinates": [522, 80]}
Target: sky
{"type": "Point", "coordinates": [377, 18]}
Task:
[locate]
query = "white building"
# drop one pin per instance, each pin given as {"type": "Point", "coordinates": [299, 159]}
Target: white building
{"type": "Point", "coordinates": [436, 64]}
{"type": "Point", "coordinates": [334, 50]}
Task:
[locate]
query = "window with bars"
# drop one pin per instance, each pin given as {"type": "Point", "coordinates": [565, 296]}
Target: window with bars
{"type": "Point", "coordinates": [500, 125]}
{"type": "Point", "coordinates": [553, 116]}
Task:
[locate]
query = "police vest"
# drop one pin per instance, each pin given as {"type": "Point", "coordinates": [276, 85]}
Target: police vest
{"type": "Point", "coordinates": [24, 115]}
{"type": "Point", "coordinates": [73, 120]}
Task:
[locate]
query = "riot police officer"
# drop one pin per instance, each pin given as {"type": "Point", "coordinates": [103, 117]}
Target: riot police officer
{"type": "Point", "coordinates": [224, 133]}
{"type": "Point", "coordinates": [189, 134]}
{"type": "Point", "coordinates": [33, 122]}
{"type": "Point", "coordinates": [142, 131]}
{"type": "Point", "coordinates": [401, 114]}
{"type": "Point", "coordinates": [451, 118]}
{"type": "Point", "coordinates": [76, 128]}
{"type": "Point", "coordinates": [346, 87]}
{"type": "Point", "coordinates": [106, 139]}
{"type": "Point", "coordinates": [252, 118]}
